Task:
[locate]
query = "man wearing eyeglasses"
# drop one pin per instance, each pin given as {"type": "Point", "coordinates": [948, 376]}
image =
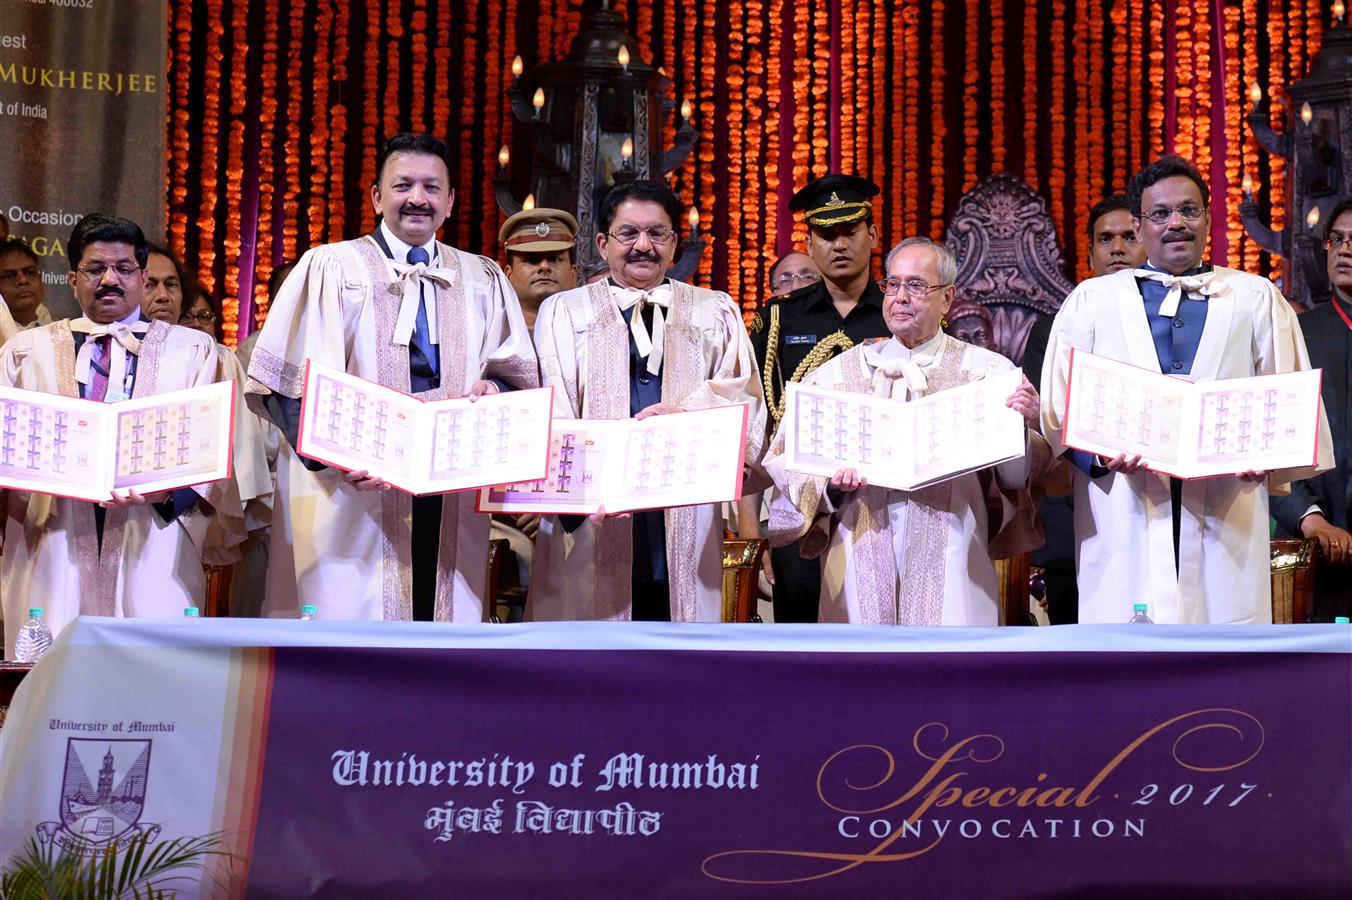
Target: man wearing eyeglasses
{"type": "Point", "coordinates": [798, 331]}
{"type": "Point", "coordinates": [1321, 508]}
{"type": "Point", "coordinates": [133, 554]}
{"type": "Point", "coordinates": [792, 271]}
{"type": "Point", "coordinates": [399, 308]}
{"type": "Point", "coordinates": [640, 344]}
{"type": "Point", "coordinates": [1195, 551]}
{"type": "Point", "coordinates": [921, 557]}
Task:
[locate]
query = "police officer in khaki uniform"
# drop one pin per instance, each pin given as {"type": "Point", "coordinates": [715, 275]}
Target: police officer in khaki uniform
{"type": "Point", "coordinates": [540, 246]}
{"type": "Point", "coordinates": [539, 249]}
{"type": "Point", "coordinates": [795, 333]}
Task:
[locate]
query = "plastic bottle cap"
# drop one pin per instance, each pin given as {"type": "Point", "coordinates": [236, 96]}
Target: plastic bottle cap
{"type": "Point", "coordinates": [309, 610]}
{"type": "Point", "coordinates": [190, 611]}
{"type": "Point", "coordinates": [35, 612]}
{"type": "Point", "coordinates": [1139, 607]}
{"type": "Point", "coordinates": [1342, 620]}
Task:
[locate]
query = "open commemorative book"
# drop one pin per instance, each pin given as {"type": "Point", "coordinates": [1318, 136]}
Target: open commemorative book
{"type": "Point", "coordinates": [903, 446]}
{"type": "Point", "coordinates": [1192, 429]}
{"type": "Point", "coordinates": [423, 446]}
{"type": "Point", "coordinates": [626, 465]}
{"type": "Point", "coordinates": [83, 449]}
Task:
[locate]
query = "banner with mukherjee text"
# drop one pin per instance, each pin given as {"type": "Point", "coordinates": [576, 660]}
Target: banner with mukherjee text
{"type": "Point", "coordinates": [82, 108]}
{"type": "Point", "coordinates": [629, 760]}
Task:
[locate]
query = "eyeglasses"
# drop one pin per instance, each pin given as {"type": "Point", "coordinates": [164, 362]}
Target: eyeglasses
{"type": "Point", "coordinates": [658, 234]}
{"type": "Point", "coordinates": [96, 271]}
{"type": "Point", "coordinates": [1338, 241]}
{"type": "Point", "coordinates": [30, 273]}
{"type": "Point", "coordinates": [1189, 211]}
{"type": "Point", "coordinates": [202, 318]}
{"type": "Point", "coordinates": [914, 288]}
{"type": "Point", "coordinates": [787, 279]}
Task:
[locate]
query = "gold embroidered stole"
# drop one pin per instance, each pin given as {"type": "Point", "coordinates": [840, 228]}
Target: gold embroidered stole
{"type": "Point", "coordinates": [606, 388]}
{"type": "Point", "coordinates": [396, 507]}
{"type": "Point", "coordinates": [920, 599]}
{"type": "Point", "coordinates": [101, 563]}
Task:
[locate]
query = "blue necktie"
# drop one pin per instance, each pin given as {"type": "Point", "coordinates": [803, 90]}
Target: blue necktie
{"type": "Point", "coordinates": [422, 333]}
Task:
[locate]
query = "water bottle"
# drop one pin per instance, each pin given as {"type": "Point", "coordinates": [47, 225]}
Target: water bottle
{"type": "Point", "coordinates": [308, 612]}
{"type": "Point", "coordinates": [190, 612]}
{"type": "Point", "coordinates": [1138, 616]}
{"type": "Point", "coordinates": [34, 638]}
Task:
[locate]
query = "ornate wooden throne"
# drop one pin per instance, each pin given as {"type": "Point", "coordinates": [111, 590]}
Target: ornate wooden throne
{"type": "Point", "coordinates": [1009, 260]}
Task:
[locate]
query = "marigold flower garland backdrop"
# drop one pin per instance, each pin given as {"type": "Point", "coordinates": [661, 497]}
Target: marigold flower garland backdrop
{"type": "Point", "coordinates": [274, 117]}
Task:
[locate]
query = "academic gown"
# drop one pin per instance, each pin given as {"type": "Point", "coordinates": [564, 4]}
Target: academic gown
{"type": "Point", "coordinates": [349, 552]}
{"type": "Point", "coordinates": [921, 557]}
{"type": "Point", "coordinates": [585, 346]}
{"type": "Point", "coordinates": [1124, 524]}
{"type": "Point", "coordinates": [143, 565]}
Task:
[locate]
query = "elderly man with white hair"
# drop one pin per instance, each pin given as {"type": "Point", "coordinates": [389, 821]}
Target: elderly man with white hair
{"type": "Point", "coordinates": [920, 557]}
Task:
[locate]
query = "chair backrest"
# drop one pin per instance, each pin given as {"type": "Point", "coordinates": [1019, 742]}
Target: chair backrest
{"type": "Point", "coordinates": [741, 565]}
{"type": "Point", "coordinates": [1292, 565]}
{"type": "Point", "coordinates": [1013, 576]}
{"type": "Point", "coordinates": [217, 593]}
{"type": "Point", "coordinates": [1009, 260]}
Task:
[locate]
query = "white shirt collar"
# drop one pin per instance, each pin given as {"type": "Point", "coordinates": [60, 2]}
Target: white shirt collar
{"type": "Point", "coordinates": [616, 286]}
{"type": "Point", "coordinates": [894, 348]}
{"type": "Point", "coordinates": [399, 250]}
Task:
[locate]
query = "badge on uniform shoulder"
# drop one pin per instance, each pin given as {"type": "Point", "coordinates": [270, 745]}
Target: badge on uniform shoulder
{"type": "Point", "coordinates": [792, 339]}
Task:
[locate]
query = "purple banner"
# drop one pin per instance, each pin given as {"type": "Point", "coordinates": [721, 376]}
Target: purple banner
{"type": "Point", "coordinates": [691, 773]}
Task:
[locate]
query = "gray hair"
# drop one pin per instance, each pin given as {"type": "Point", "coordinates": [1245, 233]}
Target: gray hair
{"type": "Point", "coordinates": [943, 257]}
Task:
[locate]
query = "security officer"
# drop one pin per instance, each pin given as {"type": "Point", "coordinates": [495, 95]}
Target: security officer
{"type": "Point", "coordinates": [795, 333]}
{"type": "Point", "coordinates": [540, 246]}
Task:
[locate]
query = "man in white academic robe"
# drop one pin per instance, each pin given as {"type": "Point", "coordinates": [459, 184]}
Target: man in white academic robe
{"type": "Point", "coordinates": [398, 308]}
{"type": "Point", "coordinates": [1194, 551]}
{"type": "Point", "coordinates": [640, 344]}
{"type": "Point", "coordinates": [920, 557]}
{"type": "Point", "coordinates": [131, 555]}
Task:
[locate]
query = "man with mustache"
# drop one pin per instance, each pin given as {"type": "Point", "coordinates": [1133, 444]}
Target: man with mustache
{"type": "Point", "coordinates": [21, 284]}
{"type": "Point", "coordinates": [1321, 508]}
{"type": "Point", "coordinates": [399, 308]}
{"type": "Point", "coordinates": [640, 344]}
{"type": "Point", "coordinates": [1195, 551]}
{"type": "Point", "coordinates": [541, 256]}
{"type": "Point", "coordinates": [796, 332]}
{"type": "Point", "coordinates": [133, 554]}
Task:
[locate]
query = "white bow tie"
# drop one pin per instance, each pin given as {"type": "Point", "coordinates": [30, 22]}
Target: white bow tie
{"type": "Point", "coordinates": [411, 277]}
{"type": "Point", "coordinates": [124, 342]}
{"type": "Point", "coordinates": [659, 298]}
{"type": "Point", "coordinates": [1203, 284]}
{"type": "Point", "coordinates": [888, 369]}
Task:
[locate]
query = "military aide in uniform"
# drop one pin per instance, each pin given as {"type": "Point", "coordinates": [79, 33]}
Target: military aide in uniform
{"type": "Point", "coordinates": [795, 333]}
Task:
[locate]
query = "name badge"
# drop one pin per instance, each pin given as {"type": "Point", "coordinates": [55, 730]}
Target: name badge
{"type": "Point", "coordinates": [791, 339]}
